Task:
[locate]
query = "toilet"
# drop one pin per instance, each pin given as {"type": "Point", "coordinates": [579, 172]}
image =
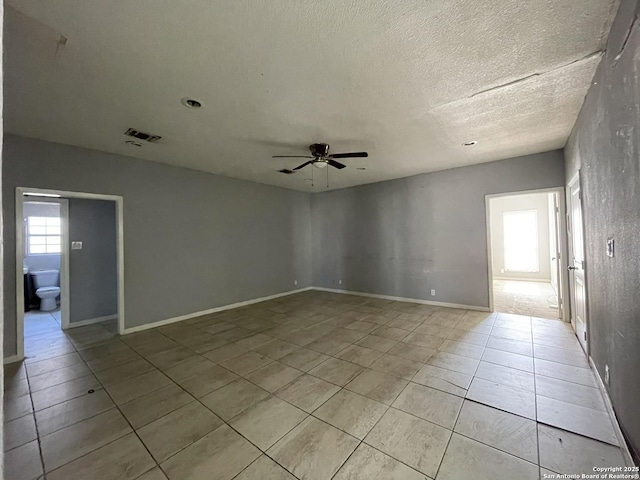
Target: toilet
{"type": "Point", "coordinates": [46, 284]}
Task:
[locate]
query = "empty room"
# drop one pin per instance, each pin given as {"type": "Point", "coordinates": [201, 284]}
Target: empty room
{"type": "Point", "coordinates": [320, 240]}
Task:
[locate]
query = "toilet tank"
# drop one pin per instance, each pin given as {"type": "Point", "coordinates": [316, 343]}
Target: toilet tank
{"type": "Point", "coordinates": [45, 278]}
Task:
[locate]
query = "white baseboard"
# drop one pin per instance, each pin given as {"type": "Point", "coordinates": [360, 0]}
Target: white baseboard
{"type": "Point", "coordinates": [616, 426]}
{"type": "Point", "coordinates": [11, 359]}
{"type": "Point", "coordinates": [89, 321]}
{"type": "Point", "coordinates": [405, 299]}
{"type": "Point", "coordinates": [168, 321]}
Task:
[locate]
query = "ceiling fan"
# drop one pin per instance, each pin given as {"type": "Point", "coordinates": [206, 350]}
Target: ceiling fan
{"type": "Point", "coordinates": [320, 158]}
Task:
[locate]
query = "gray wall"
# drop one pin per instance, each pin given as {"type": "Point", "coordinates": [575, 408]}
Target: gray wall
{"type": "Point", "coordinates": [193, 241]}
{"type": "Point", "coordinates": [605, 146]}
{"type": "Point", "coordinates": [405, 237]}
{"type": "Point", "coordinates": [538, 202]}
{"type": "Point", "coordinates": [41, 208]}
{"type": "Point", "coordinates": [93, 270]}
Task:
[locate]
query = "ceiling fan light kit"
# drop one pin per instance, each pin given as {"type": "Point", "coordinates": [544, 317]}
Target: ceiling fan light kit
{"type": "Point", "coordinates": [320, 158]}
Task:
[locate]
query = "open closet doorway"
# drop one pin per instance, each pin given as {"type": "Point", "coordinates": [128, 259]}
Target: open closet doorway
{"type": "Point", "coordinates": [69, 269]}
{"type": "Point", "coordinates": [526, 252]}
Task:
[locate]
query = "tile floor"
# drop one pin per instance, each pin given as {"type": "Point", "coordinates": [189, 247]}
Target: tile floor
{"type": "Point", "coordinates": [525, 298]}
{"type": "Point", "coordinates": [309, 386]}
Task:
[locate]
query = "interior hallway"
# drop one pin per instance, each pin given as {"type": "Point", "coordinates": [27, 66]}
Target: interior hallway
{"type": "Point", "coordinates": [310, 386]}
{"type": "Point", "coordinates": [535, 299]}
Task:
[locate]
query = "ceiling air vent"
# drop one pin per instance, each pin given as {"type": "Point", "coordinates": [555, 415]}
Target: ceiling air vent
{"type": "Point", "coordinates": [147, 137]}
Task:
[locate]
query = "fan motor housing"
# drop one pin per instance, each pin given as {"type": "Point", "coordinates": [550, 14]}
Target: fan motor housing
{"type": "Point", "coordinates": [319, 149]}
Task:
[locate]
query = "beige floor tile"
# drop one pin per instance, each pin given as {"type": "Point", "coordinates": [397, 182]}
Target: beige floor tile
{"type": "Point", "coordinates": [568, 453]}
{"type": "Point", "coordinates": [574, 418]}
{"type": "Point", "coordinates": [346, 335]}
{"type": "Point", "coordinates": [429, 404]}
{"type": "Point", "coordinates": [508, 345]}
{"type": "Point", "coordinates": [246, 363]}
{"type": "Point", "coordinates": [396, 334]}
{"type": "Point", "coordinates": [153, 474]}
{"type": "Point", "coordinates": [442, 379]}
{"type": "Point", "coordinates": [264, 469]}
{"type": "Point", "coordinates": [255, 341]}
{"type": "Point", "coordinates": [73, 411]}
{"type": "Point", "coordinates": [513, 334]}
{"type": "Point", "coordinates": [23, 463]}
{"type": "Point", "coordinates": [367, 463]}
{"type": "Point", "coordinates": [176, 430]}
{"type": "Point", "coordinates": [226, 352]}
{"type": "Point", "coordinates": [504, 431]}
{"type": "Point", "coordinates": [38, 368]}
{"type": "Point", "coordinates": [336, 371]}
{"type": "Point", "coordinates": [56, 377]}
{"type": "Point", "coordinates": [63, 392]}
{"type": "Point", "coordinates": [465, 336]}
{"type": "Point", "coordinates": [375, 342]}
{"type": "Point", "coordinates": [560, 355]}
{"type": "Point", "coordinates": [435, 330]}
{"type": "Point", "coordinates": [207, 381]}
{"type": "Point", "coordinates": [276, 349]}
{"type": "Point", "coordinates": [17, 407]}
{"type": "Point", "coordinates": [508, 359]}
{"type": "Point", "coordinates": [509, 377]}
{"type": "Point", "coordinates": [412, 352]}
{"type": "Point", "coordinates": [575, 393]}
{"type": "Point", "coordinates": [466, 458]}
{"type": "Point", "coordinates": [81, 438]}
{"type": "Point", "coordinates": [234, 398]}
{"type": "Point", "coordinates": [190, 367]}
{"type": "Point", "coordinates": [304, 359]}
{"type": "Point", "coordinates": [274, 376]}
{"type": "Point", "coordinates": [397, 366]}
{"type": "Point", "coordinates": [423, 340]}
{"type": "Point", "coordinates": [453, 362]}
{"type": "Point", "coordinates": [377, 386]}
{"type": "Point", "coordinates": [19, 431]}
{"type": "Point", "coordinates": [220, 455]}
{"type": "Point", "coordinates": [136, 387]}
{"type": "Point", "coordinates": [313, 450]}
{"type": "Point", "coordinates": [359, 355]}
{"type": "Point", "coordinates": [405, 323]}
{"type": "Point", "coordinates": [124, 459]}
{"type": "Point", "coordinates": [122, 372]}
{"type": "Point", "coordinates": [512, 400]}
{"type": "Point", "coordinates": [150, 407]}
{"type": "Point", "coordinates": [308, 392]}
{"type": "Point", "coordinates": [168, 358]}
{"type": "Point", "coordinates": [351, 413]}
{"type": "Point", "coordinates": [267, 421]}
{"type": "Point", "coordinates": [415, 442]}
{"type": "Point", "coordinates": [569, 373]}
{"type": "Point", "coordinates": [463, 349]}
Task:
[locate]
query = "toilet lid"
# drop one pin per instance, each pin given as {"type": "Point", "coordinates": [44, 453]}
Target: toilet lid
{"type": "Point", "coordinates": [47, 289]}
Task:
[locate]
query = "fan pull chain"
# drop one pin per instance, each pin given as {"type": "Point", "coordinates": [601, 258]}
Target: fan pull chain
{"type": "Point", "coordinates": [312, 175]}
{"type": "Point", "coordinates": [327, 169]}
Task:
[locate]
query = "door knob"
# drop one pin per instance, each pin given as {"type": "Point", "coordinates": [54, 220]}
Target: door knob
{"type": "Point", "coordinates": [571, 268]}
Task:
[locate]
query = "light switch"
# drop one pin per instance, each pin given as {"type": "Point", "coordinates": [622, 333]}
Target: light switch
{"type": "Point", "coordinates": [610, 247]}
{"type": "Point", "coordinates": [76, 245]}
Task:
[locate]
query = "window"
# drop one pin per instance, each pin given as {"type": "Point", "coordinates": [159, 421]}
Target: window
{"type": "Point", "coordinates": [43, 235]}
{"type": "Point", "coordinates": [521, 241]}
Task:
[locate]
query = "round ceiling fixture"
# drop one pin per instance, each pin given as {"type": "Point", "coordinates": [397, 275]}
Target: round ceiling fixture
{"type": "Point", "coordinates": [133, 143]}
{"type": "Point", "coordinates": [190, 102]}
{"type": "Point", "coordinates": [470, 144]}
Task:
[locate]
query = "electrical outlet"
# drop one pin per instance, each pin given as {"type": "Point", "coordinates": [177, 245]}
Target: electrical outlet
{"type": "Point", "coordinates": [606, 374]}
{"type": "Point", "coordinates": [76, 245]}
{"type": "Point", "coordinates": [433, 292]}
{"type": "Point", "coordinates": [610, 247]}
{"type": "Point", "coordinates": [295, 283]}
{"type": "Point", "coordinates": [339, 282]}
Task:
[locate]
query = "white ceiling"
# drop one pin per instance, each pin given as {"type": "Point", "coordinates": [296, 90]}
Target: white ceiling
{"type": "Point", "coordinates": [407, 80]}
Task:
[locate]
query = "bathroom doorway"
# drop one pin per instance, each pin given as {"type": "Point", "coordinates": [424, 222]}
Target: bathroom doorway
{"type": "Point", "coordinates": [69, 265]}
{"type": "Point", "coordinates": [526, 252]}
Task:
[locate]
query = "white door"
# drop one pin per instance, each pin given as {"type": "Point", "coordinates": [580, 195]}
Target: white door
{"type": "Point", "coordinates": [577, 288]}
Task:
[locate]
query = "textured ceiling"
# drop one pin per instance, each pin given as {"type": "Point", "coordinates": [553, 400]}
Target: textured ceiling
{"type": "Point", "coordinates": [407, 80]}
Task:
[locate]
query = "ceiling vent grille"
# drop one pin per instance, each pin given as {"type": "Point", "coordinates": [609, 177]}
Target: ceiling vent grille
{"type": "Point", "coordinates": [147, 137]}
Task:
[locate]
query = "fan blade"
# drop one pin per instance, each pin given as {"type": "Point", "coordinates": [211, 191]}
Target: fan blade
{"type": "Point", "coordinates": [303, 165]}
{"type": "Point", "coordinates": [350, 155]}
{"type": "Point", "coordinates": [287, 171]}
{"type": "Point", "coordinates": [290, 156]}
{"type": "Point", "coordinates": [333, 163]}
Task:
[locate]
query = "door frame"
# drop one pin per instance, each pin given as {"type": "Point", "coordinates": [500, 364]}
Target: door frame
{"type": "Point", "coordinates": [563, 284]}
{"type": "Point", "coordinates": [64, 257]}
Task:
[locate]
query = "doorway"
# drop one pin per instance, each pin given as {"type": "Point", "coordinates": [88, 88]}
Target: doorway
{"type": "Point", "coordinates": [576, 267]}
{"type": "Point", "coordinates": [525, 253]}
{"type": "Point", "coordinates": [69, 265]}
